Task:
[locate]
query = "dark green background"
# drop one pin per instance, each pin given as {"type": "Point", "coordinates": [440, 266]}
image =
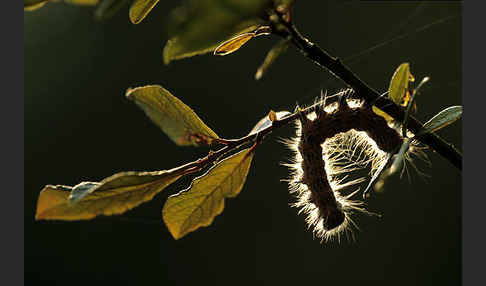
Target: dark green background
{"type": "Point", "coordinates": [79, 127]}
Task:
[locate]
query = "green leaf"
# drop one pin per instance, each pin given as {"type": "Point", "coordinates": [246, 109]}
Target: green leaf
{"type": "Point", "coordinates": [176, 119]}
{"type": "Point", "coordinates": [397, 89]}
{"type": "Point", "coordinates": [204, 199]}
{"type": "Point", "coordinates": [113, 195]}
{"type": "Point", "coordinates": [399, 83]}
{"type": "Point", "coordinates": [200, 26]}
{"type": "Point", "coordinates": [442, 119]}
{"type": "Point", "coordinates": [272, 55]}
{"type": "Point", "coordinates": [108, 8]}
{"type": "Point", "coordinates": [140, 9]}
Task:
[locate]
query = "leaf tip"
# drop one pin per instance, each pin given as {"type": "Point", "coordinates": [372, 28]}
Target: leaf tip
{"type": "Point", "coordinates": [128, 93]}
{"type": "Point", "coordinates": [172, 228]}
{"type": "Point", "coordinates": [165, 53]}
{"type": "Point", "coordinates": [134, 19]}
{"type": "Point", "coordinates": [259, 74]}
{"type": "Point", "coordinates": [38, 215]}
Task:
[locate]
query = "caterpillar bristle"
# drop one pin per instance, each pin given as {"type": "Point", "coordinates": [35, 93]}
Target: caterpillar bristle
{"type": "Point", "coordinates": [333, 142]}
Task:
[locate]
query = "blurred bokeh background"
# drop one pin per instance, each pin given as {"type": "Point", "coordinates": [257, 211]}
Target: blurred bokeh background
{"type": "Point", "coordinates": [80, 127]}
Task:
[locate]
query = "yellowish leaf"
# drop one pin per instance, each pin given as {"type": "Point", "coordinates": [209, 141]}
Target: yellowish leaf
{"type": "Point", "coordinates": [176, 119]}
{"type": "Point", "coordinates": [383, 114]}
{"type": "Point", "coordinates": [140, 9]}
{"type": "Point", "coordinates": [204, 199]}
{"type": "Point", "coordinates": [113, 195]}
{"type": "Point", "coordinates": [399, 83]}
{"type": "Point", "coordinates": [232, 45]}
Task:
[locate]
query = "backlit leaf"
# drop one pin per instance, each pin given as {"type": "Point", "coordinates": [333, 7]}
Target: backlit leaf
{"type": "Point", "coordinates": [198, 205]}
{"type": "Point", "coordinates": [272, 55]}
{"type": "Point", "coordinates": [176, 119]}
{"type": "Point", "coordinates": [442, 119]}
{"type": "Point", "coordinates": [399, 83]}
{"type": "Point", "coordinates": [113, 195]}
{"type": "Point", "coordinates": [140, 9]}
{"type": "Point", "coordinates": [233, 44]}
{"type": "Point", "coordinates": [382, 113]}
{"type": "Point", "coordinates": [200, 26]}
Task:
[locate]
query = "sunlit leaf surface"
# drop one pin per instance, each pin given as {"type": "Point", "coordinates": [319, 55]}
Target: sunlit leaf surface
{"type": "Point", "coordinates": [233, 44]}
{"type": "Point", "coordinates": [140, 9]}
{"type": "Point", "coordinates": [113, 195]}
{"type": "Point", "coordinates": [204, 199]}
{"type": "Point", "coordinates": [382, 113]}
{"type": "Point", "coordinates": [176, 119]}
{"type": "Point", "coordinates": [398, 89]}
{"type": "Point", "coordinates": [442, 119]}
{"type": "Point", "coordinates": [200, 26]}
{"type": "Point", "coordinates": [399, 83]}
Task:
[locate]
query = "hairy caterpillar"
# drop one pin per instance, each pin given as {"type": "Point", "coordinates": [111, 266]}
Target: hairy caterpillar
{"type": "Point", "coordinates": [331, 142]}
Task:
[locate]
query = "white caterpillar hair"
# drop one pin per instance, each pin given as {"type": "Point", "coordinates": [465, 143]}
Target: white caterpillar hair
{"type": "Point", "coordinates": [348, 137]}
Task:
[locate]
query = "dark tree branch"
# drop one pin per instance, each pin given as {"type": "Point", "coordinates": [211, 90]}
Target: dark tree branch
{"type": "Point", "coordinates": [337, 68]}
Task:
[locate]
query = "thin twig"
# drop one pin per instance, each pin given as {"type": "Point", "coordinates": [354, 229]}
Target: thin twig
{"type": "Point", "coordinates": [233, 144]}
